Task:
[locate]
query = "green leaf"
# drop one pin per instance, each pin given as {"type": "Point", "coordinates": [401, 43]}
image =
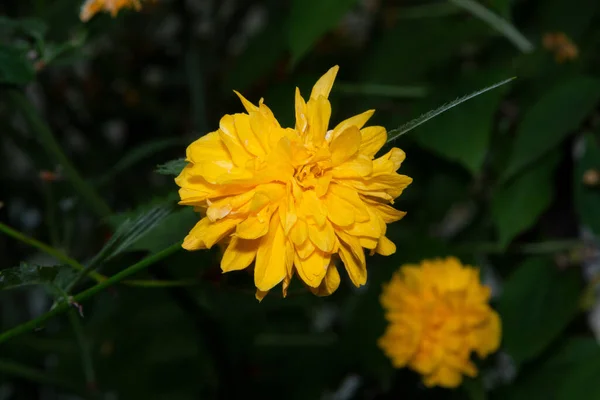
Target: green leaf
{"type": "Point", "coordinates": [29, 26]}
{"type": "Point", "coordinates": [537, 303]}
{"type": "Point", "coordinates": [139, 153]}
{"type": "Point", "coordinates": [310, 19]}
{"type": "Point", "coordinates": [581, 381]}
{"type": "Point", "coordinates": [545, 378]}
{"type": "Point", "coordinates": [396, 133]}
{"type": "Point", "coordinates": [516, 206]}
{"type": "Point", "coordinates": [558, 113]}
{"type": "Point", "coordinates": [497, 23]}
{"type": "Point", "coordinates": [587, 198]}
{"type": "Point", "coordinates": [474, 388]}
{"type": "Point", "coordinates": [173, 167]}
{"type": "Point", "coordinates": [54, 277]}
{"type": "Point", "coordinates": [15, 68]}
{"type": "Point", "coordinates": [464, 135]}
{"type": "Point", "coordinates": [132, 228]}
{"type": "Point", "coordinates": [258, 59]}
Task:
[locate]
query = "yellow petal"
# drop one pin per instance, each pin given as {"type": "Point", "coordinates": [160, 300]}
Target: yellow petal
{"type": "Point", "coordinates": [385, 246]}
{"type": "Point", "coordinates": [246, 135]}
{"type": "Point", "coordinates": [373, 139]}
{"type": "Point", "coordinates": [305, 249]}
{"type": "Point", "coordinates": [330, 283]}
{"type": "Point", "coordinates": [371, 228]}
{"type": "Point", "coordinates": [387, 213]}
{"type": "Point", "coordinates": [357, 167]}
{"type": "Point", "coordinates": [312, 269]}
{"type": "Point", "coordinates": [389, 162]}
{"type": "Point", "coordinates": [239, 254]}
{"type": "Point", "coordinates": [325, 83]}
{"type": "Point", "coordinates": [247, 105]}
{"type": "Point", "coordinates": [339, 211]}
{"type": "Point", "coordinates": [318, 114]}
{"type": "Point", "coordinates": [368, 243]}
{"type": "Point", "coordinates": [206, 233]}
{"type": "Point", "coordinates": [345, 146]}
{"type": "Point", "coordinates": [349, 195]}
{"type": "Point", "coordinates": [353, 257]}
{"type": "Point", "coordinates": [260, 294]}
{"type": "Point", "coordinates": [299, 232]}
{"type": "Point", "coordinates": [312, 206]}
{"type": "Point", "coordinates": [229, 136]}
{"type": "Point", "coordinates": [323, 184]}
{"type": "Point", "coordinates": [301, 113]}
{"type": "Point", "coordinates": [221, 208]}
{"type": "Point", "coordinates": [270, 265]}
{"type": "Point", "coordinates": [287, 213]}
{"type": "Point", "coordinates": [256, 226]}
{"type": "Point", "coordinates": [322, 236]}
{"type": "Point", "coordinates": [209, 148]}
{"type": "Point", "coordinates": [358, 121]}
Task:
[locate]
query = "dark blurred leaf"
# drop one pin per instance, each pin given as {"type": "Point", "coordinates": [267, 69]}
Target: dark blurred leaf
{"type": "Point", "coordinates": [462, 135]}
{"type": "Point", "coordinates": [130, 230]}
{"type": "Point", "coordinates": [545, 378]}
{"type": "Point", "coordinates": [173, 228]}
{"type": "Point", "coordinates": [474, 388]}
{"type": "Point", "coordinates": [399, 56]}
{"type": "Point", "coordinates": [33, 27]}
{"type": "Point", "coordinates": [537, 303]}
{"type": "Point", "coordinates": [310, 19]}
{"type": "Point", "coordinates": [55, 277]}
{"type": "Point", "coordinates": [15, 68]}
{"type": "Point", "coordinates": [258, 59]}
{"type": "Point", "coordinates": [137, 154]}
{"type": "Point", "coordinates": [559, 112]}
{"type": "Point", "coordinates": [497, 23]}
{"type": "Point", "coordinates": [173, 167]}
{"type": "Point", "coordinates": [587, 197]}
{"type": "Point", "coordinates": [580, 381]}
{"type": "Point", "coordinates": [517, 205]}
{"type": "Point", "coordinates": [557, 16]}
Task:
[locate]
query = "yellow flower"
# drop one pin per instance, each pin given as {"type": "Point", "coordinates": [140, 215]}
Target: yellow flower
{"type": "Point", "coordinates": [562, 47]}
{"type": "Point", "coordinates": [290, 199]}
{"type": "Point", "coordinates": [438, 314]}
{"type": "Point", "coordinates": [92, 7]}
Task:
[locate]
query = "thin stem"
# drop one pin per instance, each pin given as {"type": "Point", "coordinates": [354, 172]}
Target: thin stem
{"type": "Point", "coordinates": [62, 257]}
{"type": "Point", "coordinates": [62, 307]}
{"type": "Point", "coordinates": [84, 348]}
{"type": "Point", "coordinates": [87, 192]}
{"type": "Point", "coordinates": [34, 375]}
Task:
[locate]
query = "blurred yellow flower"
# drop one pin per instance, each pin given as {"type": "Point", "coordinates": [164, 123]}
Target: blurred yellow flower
{"type": "Point", "coordinates": [562, 47]}
{"type": "Point", "coordinates": [438, 314]}
{"type": "Point", "coordinates": [92, 7]}
{"type": "Point", "coordinates": [290, 199]}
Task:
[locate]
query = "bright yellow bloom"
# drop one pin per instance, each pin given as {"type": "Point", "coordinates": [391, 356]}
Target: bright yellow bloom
{"type": "Point", "coordinates": [92, 7]}
{"type": "Point", "coordinates": [289, 200]}
{"type": "Point", "coordinates": [438, 314]}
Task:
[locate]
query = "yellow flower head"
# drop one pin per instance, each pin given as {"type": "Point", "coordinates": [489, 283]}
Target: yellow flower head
{"type": "Point", "coordinates": [563, 48]}
{"type": "Point", "coordinates": [289, 200]}
{"type": "Point", "coordinates": [92, 7]}
{"type": "Point", "coordinates": [438, 314]}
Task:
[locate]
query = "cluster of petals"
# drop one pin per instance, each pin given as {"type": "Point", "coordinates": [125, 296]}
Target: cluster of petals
{"type": "Point", "coordinates": [293, 200]}
{"type": "Point", "coordinates": [438, 314]}
{"type": "Point", "coordinates": [92, 7]}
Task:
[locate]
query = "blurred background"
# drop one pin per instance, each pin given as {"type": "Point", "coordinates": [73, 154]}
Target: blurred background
{"type": "Point", "coordinates": [508, 181]}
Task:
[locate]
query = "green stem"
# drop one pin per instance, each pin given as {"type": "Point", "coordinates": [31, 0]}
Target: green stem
{"type": "Point", "coordinates": [84, 348]}
{"type": "Point", "coordinates": [34, 375]}
{"type": "Point", "coordinates": [87, 192]}
{"type": "Point", "coordinates": [60, 256]}
{"type": "Point", "coordinates": [62, 307]}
